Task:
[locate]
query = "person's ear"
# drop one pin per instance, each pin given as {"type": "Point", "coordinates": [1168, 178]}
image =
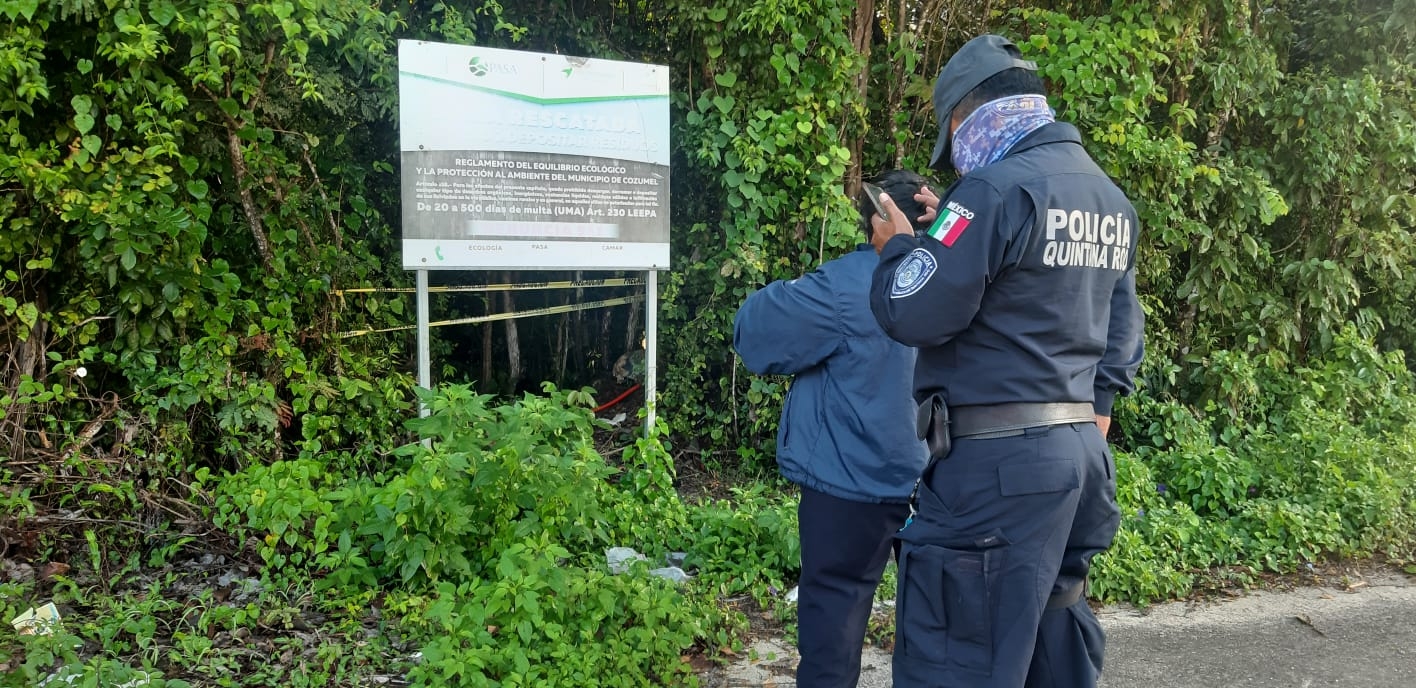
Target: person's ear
{"type": "Point", "coordinates": [955, 119]}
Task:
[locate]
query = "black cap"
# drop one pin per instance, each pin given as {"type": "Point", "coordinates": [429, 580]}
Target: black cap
{"type": "Point", "coordinates": [972, 65]}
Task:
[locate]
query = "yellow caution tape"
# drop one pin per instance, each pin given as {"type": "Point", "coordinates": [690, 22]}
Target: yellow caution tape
{"type": "Point", "coordinates": [549, 310]}
{"type": "Point", "coordinates": [570, 284]}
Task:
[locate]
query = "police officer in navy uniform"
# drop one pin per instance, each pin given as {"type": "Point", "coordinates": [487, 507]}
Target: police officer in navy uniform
{"type": "Point", "coordinates": [1022, 301]}
{"type": "Point", "coordinates": [839, 438]}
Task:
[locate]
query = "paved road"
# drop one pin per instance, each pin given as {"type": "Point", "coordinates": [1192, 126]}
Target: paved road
{"type": "Point", "coordinates": [1317, 637]}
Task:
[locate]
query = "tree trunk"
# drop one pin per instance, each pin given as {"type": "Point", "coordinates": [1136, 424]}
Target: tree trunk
{"type": "Point", "coordinates": [577, 339]}
{"type": "Point", "coordinates": [248, 202]}
{"type": "Point", "coordinates": [607, 357]}
{"type": "Point", "coordinates": [513, 342]}
{"type": "Point", "coordinates": [631, 342]}
{"type": "Point", "coordinates": [895, 95]}
{"type": "Point", "coordinates": [27, 360]}
{"type": "Point", "coordinates": [487, 352]}
{"type": "Point", "coordinates": [562, 343]}
{"type": "Point", "coordinates": [861, 32]}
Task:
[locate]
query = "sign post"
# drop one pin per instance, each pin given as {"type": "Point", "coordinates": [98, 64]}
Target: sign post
{"type": "Point", "coordinates": [425, 358]}
{"type": "Point", "coordinates": [651, 346]}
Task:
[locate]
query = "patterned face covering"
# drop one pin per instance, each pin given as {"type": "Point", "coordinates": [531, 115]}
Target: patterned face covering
{"type": "Point", "coordinates": [987, 134]}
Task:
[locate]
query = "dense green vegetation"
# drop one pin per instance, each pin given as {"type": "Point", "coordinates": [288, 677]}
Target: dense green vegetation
{"type": "Point", "coordinates": [217, 488]}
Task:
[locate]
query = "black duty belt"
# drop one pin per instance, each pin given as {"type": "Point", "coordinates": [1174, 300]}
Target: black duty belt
{"type": "Point", "coordinates": [1003, 420]}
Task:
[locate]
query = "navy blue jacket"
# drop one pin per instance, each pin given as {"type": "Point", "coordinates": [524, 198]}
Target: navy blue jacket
{"type": "Point", "coordinates": [1025, 288]}
{"type": "Point", "coordinates": [847, 426]}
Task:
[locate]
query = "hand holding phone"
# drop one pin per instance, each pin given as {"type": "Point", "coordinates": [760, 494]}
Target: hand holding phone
{"type": "Point", "coordinates": [874, 192]}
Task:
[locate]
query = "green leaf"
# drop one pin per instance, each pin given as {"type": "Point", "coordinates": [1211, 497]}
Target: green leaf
{"type": "Point", "coordinates": [162, 12]}
{"type": "Point", "coordinates": [83, 122]}
{"type": "Point", "coordinates": [28, 314]}
{"type": "Point", "coordinates": [718, 14]}
{"type": "Point", "coordinates": [189, 164]}
{"type": "Point", "coordinates": [114, 122]}
{"type": "Point", "coordinates": [130, 259]}
{"type": "Point", "coordinates": [230, 107]}
{"type": "Point", "coordinates": [127, 20]}
{"type": "Point", "coordinates": [726, 79]}
{"type": "Point", "coordinates": [724, 103]}
{"type": "Point", "coordinates": [804, 127]}
{"type": "Point", "coordinates": [85, 66]}
{"type": "Point", "coordinates": [92, 144]}
{"type": "Point", "coordinates": [197, 188]}
{"type": "Point", "coordinates": [25, 7]}
{"type": "Point", "coordinates": [81, 104]}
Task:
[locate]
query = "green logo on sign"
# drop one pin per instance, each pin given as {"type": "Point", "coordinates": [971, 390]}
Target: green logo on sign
{"type": "Point", "coordinates": [477, 67]}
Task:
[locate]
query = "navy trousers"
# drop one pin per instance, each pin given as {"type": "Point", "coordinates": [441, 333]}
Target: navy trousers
{"type": "Point", "coordinates": [1003, 524]}
{"type": "Point", "coordinates": [844, 548]}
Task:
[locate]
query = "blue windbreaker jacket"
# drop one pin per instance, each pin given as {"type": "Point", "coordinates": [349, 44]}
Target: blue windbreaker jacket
{"type": "Point", "coordinates": [848, 424]}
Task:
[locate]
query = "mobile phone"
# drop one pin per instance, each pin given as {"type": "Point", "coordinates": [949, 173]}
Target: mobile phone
{"type": "Point", "coordinates": [873, 192]}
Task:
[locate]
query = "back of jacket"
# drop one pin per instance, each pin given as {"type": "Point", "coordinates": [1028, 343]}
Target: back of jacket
{"type": "Point", "coordinates": [847, 426]}
{"type": "Point", "coordinates": [1025, 290]}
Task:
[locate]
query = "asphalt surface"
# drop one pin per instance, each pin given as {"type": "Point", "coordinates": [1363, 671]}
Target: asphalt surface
{"type": "Point", "coordinates": [1358, 633]}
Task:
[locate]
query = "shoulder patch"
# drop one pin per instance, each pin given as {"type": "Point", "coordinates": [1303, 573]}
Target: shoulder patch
{"type": "Point", "coordinates": [953, 219]}
{"type": "Point", "coordinates": [913, 273]}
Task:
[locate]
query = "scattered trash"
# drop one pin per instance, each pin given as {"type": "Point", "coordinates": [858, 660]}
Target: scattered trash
{"type": "Point", "coordinates": [619, 558]}
{"type": "Point", "coordinates": [619, 418]}
{"type": "Point", "coordinates": [792, 594]}
{"type": "Point", "coordinates": [41, 620]}
{"type": "Point", "coordinates": [238, 588]}
{"type": "Point", "coordinates": [74, 676]}
{"type": "Point", "coordinates": [17, 572]}
{"type": "Point", "coordinates": [672, 573]}
{"type": "Point", "coordinates": [629, 367]}
{"type": "Point", "coordinates": [52, 569]}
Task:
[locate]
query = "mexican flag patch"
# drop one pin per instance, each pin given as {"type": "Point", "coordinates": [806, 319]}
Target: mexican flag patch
{"type": "Point", "coordinates": [951, 224]}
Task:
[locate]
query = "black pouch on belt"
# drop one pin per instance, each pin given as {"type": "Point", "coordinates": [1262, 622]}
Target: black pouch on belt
{"type": "Point", "coordinates": [932, 426]}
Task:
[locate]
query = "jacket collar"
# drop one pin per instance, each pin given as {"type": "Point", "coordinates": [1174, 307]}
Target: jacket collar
{"type": "Point", "coordinates": [1057, 132]}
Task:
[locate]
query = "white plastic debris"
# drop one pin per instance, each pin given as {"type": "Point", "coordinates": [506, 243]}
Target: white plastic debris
{"type": "Point", "coordinates": [672, 573]}
{"type": "Point", "coordinates": [792, 594]}
{"type": "Point", "coordinates": [619, 558]}
{"type": "Point", "coordinates": [41, 620]}
{"type": "Point", "coordinates": [75, 675]}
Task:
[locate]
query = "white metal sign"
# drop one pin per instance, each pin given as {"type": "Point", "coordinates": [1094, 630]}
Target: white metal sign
{"type": "Point", "coordinates": [523, 160]}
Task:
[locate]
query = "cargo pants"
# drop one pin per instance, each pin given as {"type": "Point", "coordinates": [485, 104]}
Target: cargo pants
{"type": "Point", "coordinates": [993, 563]}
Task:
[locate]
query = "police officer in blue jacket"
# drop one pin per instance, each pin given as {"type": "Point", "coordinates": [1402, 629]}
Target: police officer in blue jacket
{"type": "Point", "coordinates": [1022, 302]}
{"type": "Point", "coordinates": [839, 438]}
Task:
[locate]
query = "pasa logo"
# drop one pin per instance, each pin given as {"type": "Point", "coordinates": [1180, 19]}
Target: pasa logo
{"type": "Point", "coordinates": [480, 68]}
